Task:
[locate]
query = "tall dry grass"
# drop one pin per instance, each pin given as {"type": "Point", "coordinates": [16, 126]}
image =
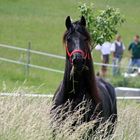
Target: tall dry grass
{"type": "Point", "coordinates": [24, 118]}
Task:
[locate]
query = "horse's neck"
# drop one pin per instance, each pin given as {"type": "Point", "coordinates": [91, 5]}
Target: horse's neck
{"type": "Point", "coordinates": [91, 82]}
{"type": "Point", "coordinates": [86, 82]}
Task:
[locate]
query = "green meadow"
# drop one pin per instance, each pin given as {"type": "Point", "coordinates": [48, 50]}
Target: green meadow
{"type": "Point", "coordinates": [42, 24]}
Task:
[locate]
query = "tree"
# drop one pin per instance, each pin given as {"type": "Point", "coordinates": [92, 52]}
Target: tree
{"type": "Point", "coordinates": [103, 24]}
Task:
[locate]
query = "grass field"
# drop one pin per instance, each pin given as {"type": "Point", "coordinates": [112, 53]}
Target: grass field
{"type": "Point", "coordinates": [23, 118]}
{"type": "Point", "coordinates": [42, 23]}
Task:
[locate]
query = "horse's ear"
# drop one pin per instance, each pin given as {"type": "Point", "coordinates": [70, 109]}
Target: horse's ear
{"type": "Point", "coordinates": [83, 21]}
{"type": "Point", "coordinates": [68, 23]}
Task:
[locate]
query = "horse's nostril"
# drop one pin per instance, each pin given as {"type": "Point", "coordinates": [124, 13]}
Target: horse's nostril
{"type": "Point", "coordinates": [75, 61]}
{"type": "Point", "coordinates": [78, 60]}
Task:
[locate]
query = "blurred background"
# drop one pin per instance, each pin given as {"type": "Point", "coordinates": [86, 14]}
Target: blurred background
{"type": "Point", "coordinates": [39, 25]}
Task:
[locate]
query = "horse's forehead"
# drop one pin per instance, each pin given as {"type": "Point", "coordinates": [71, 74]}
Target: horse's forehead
{"type": "Point", "coordinates": [76, 32]}
{"type": "Point", "coordinates": [77, 27]}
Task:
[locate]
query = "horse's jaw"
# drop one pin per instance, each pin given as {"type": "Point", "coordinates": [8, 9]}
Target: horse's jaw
{"type": "Point", "coordinates": [77, 80]}
{"type": "Point", "coordinates": [74, 78]}
{"type": "Point", "coordinates": [78, 72]}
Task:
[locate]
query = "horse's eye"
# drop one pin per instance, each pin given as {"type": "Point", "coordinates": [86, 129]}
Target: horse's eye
{"type": "Point", "coordinates": [85, 38]}
{"type": "Point", "coordinates": [69, 39]}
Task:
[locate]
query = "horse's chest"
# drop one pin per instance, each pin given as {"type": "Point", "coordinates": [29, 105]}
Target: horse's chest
{"type": "Point", "coordinates": [79, 97]}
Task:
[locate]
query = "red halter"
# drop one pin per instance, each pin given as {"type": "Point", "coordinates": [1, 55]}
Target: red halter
{"type": "Point", "coordinates": [84, 54]}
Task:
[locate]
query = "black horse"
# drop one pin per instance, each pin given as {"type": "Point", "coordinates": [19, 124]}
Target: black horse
{"type": "Point", "coordinates": [80, 83]}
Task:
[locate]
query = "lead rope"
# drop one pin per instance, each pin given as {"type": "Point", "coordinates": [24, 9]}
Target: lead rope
{"type": "Point", "coordinates": [72, 78]}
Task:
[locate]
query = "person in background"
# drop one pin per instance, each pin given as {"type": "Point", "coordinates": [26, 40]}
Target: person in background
{"type": "Point", "coordinates": [134, 48]}
{"type": "Point", "coordinates": [117, 48]}
{"type": "Point", "coordinates": [105, 52]}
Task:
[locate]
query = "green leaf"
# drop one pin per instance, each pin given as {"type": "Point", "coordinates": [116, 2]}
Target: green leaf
{"type": "Point", "coordinates": [104, 25]}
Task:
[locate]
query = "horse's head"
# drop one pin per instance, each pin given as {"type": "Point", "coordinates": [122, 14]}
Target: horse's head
{"type": "Point", "coordinates": [76, 41]}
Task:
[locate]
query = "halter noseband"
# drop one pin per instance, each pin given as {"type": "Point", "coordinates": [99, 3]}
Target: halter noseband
{"type": "Point", "coordinates": [84, 54]}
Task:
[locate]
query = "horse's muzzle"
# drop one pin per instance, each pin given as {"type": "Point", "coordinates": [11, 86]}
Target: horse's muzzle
{"type": "Point", "coordinates": [78, 61]}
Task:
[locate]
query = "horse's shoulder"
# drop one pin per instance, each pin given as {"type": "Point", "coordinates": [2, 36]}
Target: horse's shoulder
{"type": "Point", "coordinates": [109, 92]}
{"type": "Point", "coordinates": [100, 84]}
{"type": "Point", "coordinates": [56, 92]}
{"type": "Point", "coordinates": [105, 84]}
{"type": "Point", "coordinates": [58, 96]}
